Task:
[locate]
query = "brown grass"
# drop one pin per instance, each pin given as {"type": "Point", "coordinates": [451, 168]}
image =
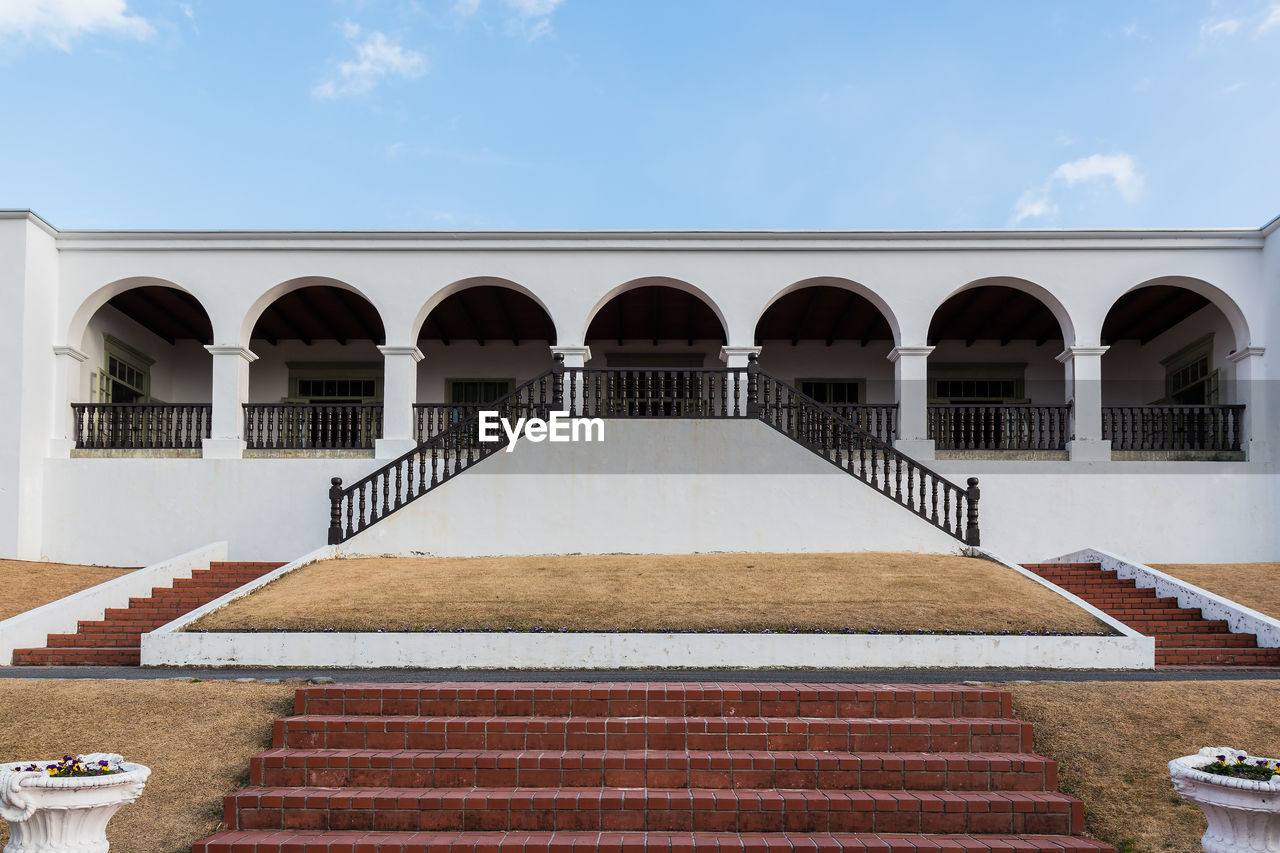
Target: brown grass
{"type": "Point", "coordinates": [28, 585]}
{"type": "Point", "coordinates": [1251, 584]}
{"type": "Point", "coordinates": [196, 737]}
{"type": "Point", "coordinates": [1114, 741]}
{"type": "Point", "coordinates": [726, 592]}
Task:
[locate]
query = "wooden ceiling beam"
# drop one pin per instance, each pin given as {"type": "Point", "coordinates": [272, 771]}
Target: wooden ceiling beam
{"type": "Point", "coordinates": [693, 317]}
{"type": "Point", "coordinates": [345, 301]}
{"type": "Point", "coordinates": [321, 321]}
{"type": "Point", "coordinates": [286, 321]}
{"type": "Point", "coordinates": [1174, 312]}
{"type": "Point", "coordinates": [141, 302]}
{"type": "Point", "coordinates": [500, 294]}
{"type": "Point", "coordinates": [962, 303]}
{"type": "Point", "coordinates": [468, 316]}
{"type": "Point", "coordinates": [805, 316]}
{"type": "Point", "coordinates": [655, 314]}
{"type": "Point", "coordinates": [435, 327]}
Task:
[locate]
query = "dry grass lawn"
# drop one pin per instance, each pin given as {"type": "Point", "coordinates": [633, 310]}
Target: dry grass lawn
{"type": "Point", "coordinates": [725, 592]}
{"type": "Point", "coordinates": [29, 585]}
{"type": "Point", "coordinates": [1113, 742]}
{"type": "Point", "coordinates": [1251, 584]}
{"type": "Point", "coordinates": [196, 737]}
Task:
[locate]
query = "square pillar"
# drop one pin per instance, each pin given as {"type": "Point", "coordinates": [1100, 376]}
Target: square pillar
{"type": "Point", "coordinates": [399, 393]}
{"type": "Point", "coordinates": [66, 384]}
{"type": "Point", "coordinates": [1250, 389]}
{"type": "Point", "coordinates": [738, 359]}
{"type": "Point", "coordinates": [575, 358]}
{"type": "Point", "coordinates": [911, 390]}
{"type": "Point", "coordinates": [230, 393]}
{"type": "Point", "coordinates": [1084, 394]}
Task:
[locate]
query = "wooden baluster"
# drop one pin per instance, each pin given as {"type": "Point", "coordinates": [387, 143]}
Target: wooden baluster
{"type": "Point", "coordinates": [435, 466]}
{"type": "Point", "coordinates": [363, 522]}
{"type": "Point", "coordinates": [875, 468]}
{"type": "Point", "coordinates": [972, 536]}
{"type": "Point", "coordinates": [933, 481]}
{"type": "Point", "coordinates": [946, 508]}
{"type": "Point", "coordinates": [350, 502]}
{"type": "Point", "coordinates": [911, 486]}
{"type": "Point", "coordinates": [399, 484]}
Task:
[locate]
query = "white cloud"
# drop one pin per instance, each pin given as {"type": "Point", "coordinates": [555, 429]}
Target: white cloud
{"type": "Point", "coordinates": [534, 16]}
{"type": "Point", "coordinates": [377, 56]}
{"type": "Point", "coordinates": [59, 22]}
{"type": "Point", "coordinates": [1271, 21]}
{"type": "Point", "coordinates": [1119, 170]}
{"type": "Point", "coordinates": [465, 8]}
{"type": "Point", "coordinates": [1219, 29]}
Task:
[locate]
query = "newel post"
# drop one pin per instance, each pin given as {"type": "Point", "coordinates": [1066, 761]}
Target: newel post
{"type": "Point", "coordinates": [335, 511]}
{"type": "Point", "coordinates": [753, 381]}
{"type": "Point", "coordinates": [557, 386]}
{"type": "Point", "coordinates": [971, 534]}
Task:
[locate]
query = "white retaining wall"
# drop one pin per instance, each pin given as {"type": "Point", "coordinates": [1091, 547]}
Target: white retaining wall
{"type": "Point", "coordinates": [31, 629]}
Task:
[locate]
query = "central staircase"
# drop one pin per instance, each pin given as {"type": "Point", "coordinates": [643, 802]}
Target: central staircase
{"type": "Point", "coordinates": [560, 767]}
{"type": "Point", "coordinates": [1183, 636]}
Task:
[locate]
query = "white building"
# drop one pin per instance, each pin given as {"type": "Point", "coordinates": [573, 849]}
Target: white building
{"type": "Point", "coordinates": [173, 388]}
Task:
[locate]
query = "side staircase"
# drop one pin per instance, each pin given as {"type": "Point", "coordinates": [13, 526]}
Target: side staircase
{"type": "Point", "coordinates": [116, 639]}
{"type": "Point", "coordinates": [629, 767]}
{"type": "Point", "coordinates": [1183, 636]}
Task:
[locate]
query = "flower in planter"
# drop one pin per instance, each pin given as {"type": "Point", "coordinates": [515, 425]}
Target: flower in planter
{"type": "Point", "coordinates": [1240, 767]}
{"type": "Point", "coordinates": [80, 766]}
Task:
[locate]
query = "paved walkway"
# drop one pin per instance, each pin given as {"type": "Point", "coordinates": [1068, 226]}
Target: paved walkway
{"type": "Point", "coordinates": [877, 676]}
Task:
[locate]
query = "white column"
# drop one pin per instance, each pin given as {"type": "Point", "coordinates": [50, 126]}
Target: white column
{"type": "Point", "coordinates": [230, 393]}
{"type": "Point", "coordinates": [1084, 393]}
{"type": "Point", "coordinates": [66, 385]}
{"type": "Point", "coordinates": [399, 393]}
{"type": "Point", "coordinates": [737, 359]}
{"type": "Point", "coordinates": [574, 357]}
{"type": "Point", "coordinates": [1250, 388]}
{"type": "Point", "coordinates": [911, 389]}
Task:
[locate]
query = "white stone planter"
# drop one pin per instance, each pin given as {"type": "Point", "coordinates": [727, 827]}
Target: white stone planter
{"type": "Point", "coordinates": [48, 815]}
{"type": "Point", "coordinates": [1244, 815]}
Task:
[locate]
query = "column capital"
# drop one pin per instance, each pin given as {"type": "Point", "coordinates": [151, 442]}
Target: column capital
{"type": "Point", "coordinates": [1246, 352]}
{"type": "Point", "coordinates": [70, 352]}
{"type": "Point", "coordinates": [231, 349]}
{"type": "Point", "coordinates": [911, 352]}
{"type": "Point", "coordinates": [1072, 353]}
{"type": "Point", "coordinates": [412, 351]}
{"type": "Point", "coordinates": [743, 353]}
{"type": "Point", "coordinates": [583, 352]}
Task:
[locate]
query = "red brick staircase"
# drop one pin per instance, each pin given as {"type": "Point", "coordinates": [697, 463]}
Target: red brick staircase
{"type": "Point", "coordinates": [116, 639]}
{"type": "Point", "coordinates": [538, 768]}
{"type": "Point", "coordinates": [1183, 636]}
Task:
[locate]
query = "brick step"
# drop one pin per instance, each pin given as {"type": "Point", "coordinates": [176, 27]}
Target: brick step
{"type": "Point", "coordinates": [1185, 618]}
{"type": "Point", "coordinates": [1212, 641]}
{"type": "Point", "coordinates": [654, 768]}
{"type": "Point", "coordinates": [70, 641]}
{"type": "Point", "coordinates": [1224, 657]}
{"type": "Point", "coordinates": [666, 733]}
{"type": "Point", "coordinates": [303, 841]}
{"type": "Point", "coordinates": [655, 699]}
{"type": "Point", "coordinates": [108, 656]}
{"type": "Point", "coordinates": [653, 810]}
{"type": "Point", "coordinates": [122, 615]}
{"type": "Point", "coordinates": [1095, 566]}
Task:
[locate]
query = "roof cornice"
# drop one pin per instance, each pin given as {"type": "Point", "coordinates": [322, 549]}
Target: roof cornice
{"type": "Point", "coordinates": [952, 239]}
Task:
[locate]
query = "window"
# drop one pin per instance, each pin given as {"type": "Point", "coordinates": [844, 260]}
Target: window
{"type": "Point", "coordinates": [335, 382]}
{"type": "Point", "coordinates": [125, 376]}
{"type": "Point", "coordinates": [833, 392]}
{"type": "Point", "coordinates": [1190, 379]}
{"type": "Point", "coordinates": [478, 390]}
{"type": "Point", "coordinates": [977, 383]}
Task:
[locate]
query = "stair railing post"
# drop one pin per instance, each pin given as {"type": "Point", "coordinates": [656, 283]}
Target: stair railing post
{"type": "Point", "coordinates": [335, 511]}
{"type": "Point", "coordinates": [971, 534]}
{"type": "Point", "coordinates": [753, 378]}
{"type": "Point", "coordinates": [557, 384]}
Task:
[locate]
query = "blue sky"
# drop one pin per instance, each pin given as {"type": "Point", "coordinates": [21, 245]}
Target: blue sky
{"type": "Point", "coordinates": [705, 114]}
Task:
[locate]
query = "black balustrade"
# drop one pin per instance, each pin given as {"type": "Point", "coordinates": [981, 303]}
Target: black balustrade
{"type": "Point", "coordinates": [431, 419]}
{"type": "Point", "coordinates": [140, 426]}
{"type": "Point", "coordinates": [312, 426]}
{"type": "Point", "coordinates": [1174, 428]}
{"type": "Point", "coordinates": [962, 426]}
{"type": "Point", "coordinates": [622, 392]}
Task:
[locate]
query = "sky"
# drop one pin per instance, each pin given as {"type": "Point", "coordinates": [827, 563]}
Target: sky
{"type": "Point", "coordinates": [640, 114]}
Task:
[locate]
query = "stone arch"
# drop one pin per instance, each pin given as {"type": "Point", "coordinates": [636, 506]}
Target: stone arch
{"type": "Point", "coordinates": [1042, 294]}
{"type": "Point", "coordinates": [659, 281]}
{"type": "Point", "coordinates": [265, 299]}
{"type": "Point", "coordinates": [858, 288]}
{"type": "Point", "coordinates": [1215, 296]}
{"type": "Point", "coordinates": [90, 306]}
{"type": "Point", "coordinates": [454, 288]}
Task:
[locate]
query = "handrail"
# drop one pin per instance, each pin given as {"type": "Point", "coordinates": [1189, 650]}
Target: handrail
{"type": "Point", "coordinates": [434, 461]}
{"type": "Point", "coordinates": [866, 457]}
{"type": "Point", "coordinates": [998, 426]}
{"type": "Point", "coordinates": [1174, 427]}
